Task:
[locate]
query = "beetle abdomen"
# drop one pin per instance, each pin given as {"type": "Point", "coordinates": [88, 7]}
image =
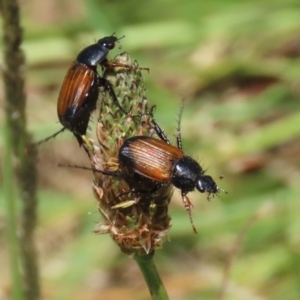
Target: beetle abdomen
{"type": "Point", "coordinates": [74, 94]}
{"type": "Point", "coordinates": [149, 157]}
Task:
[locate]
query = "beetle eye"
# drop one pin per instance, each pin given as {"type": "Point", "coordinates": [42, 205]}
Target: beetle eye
{"type": "Point", "coordinates": [109, 45]}
{"type": "Point", "coordinates": [200, 186]}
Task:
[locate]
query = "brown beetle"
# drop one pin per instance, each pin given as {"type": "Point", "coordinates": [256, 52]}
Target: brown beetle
{"type": "Point", "coordinates": [162, 163]}
{"type": "Point", "coordinates": [80, 89]}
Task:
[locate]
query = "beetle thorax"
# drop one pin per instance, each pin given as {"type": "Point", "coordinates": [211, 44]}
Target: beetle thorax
{"type": "Point", "coordinates": [92, 55]}
{"type": "Point", "coordinates": [185, 173]}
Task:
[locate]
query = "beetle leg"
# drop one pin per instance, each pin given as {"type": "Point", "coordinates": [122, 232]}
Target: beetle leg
{"type": "Point", "coordinates": [110, 65]}
{"type": "Point", "coordinates": [109, 88]}
{"type": "Point", "coordinates": [157, 128]}
{"type": "Point", "coordinates": [188, 205]}
{"type": "Point", "coordinates": [49, 138]}
{"type": "Point", "coordinates": [109, 173]}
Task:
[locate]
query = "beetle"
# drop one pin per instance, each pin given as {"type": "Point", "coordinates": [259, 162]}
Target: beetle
{"type": "Point", "coordinates": [80, 89]}
{"type": "Point", "coordinates": [162, 163]}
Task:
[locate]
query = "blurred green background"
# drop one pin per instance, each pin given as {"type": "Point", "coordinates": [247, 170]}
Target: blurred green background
{"type": "Point", "coordinates": [236, 64]}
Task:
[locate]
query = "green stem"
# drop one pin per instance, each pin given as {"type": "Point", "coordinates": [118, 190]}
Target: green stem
{"type": "Point", "coordinates": [10, 200]}
{"type": "Point", "coordinates": [17, 140]}
{"type": "Point", "coordinates": [152, 278]}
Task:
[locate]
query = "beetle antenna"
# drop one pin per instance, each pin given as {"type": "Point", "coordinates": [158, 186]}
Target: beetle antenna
{"type": "Point", "coordinates": [178, 135]}
{"type": "Point", "coordinates": [212, 195]}
{"type": "Point", "coordinates": [120, 38]}
{"type": "Point", "coordinates": [221, 190]}
{"type": "Point", "coordinates": [218, 193]}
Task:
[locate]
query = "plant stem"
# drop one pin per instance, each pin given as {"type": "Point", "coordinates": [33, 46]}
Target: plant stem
{"type": "Point", "coordinates": [17, 140]}
{"type": "Point", "coordinates": [10, 199]}
{"type": "Point", "coordinates": [152, 278]}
